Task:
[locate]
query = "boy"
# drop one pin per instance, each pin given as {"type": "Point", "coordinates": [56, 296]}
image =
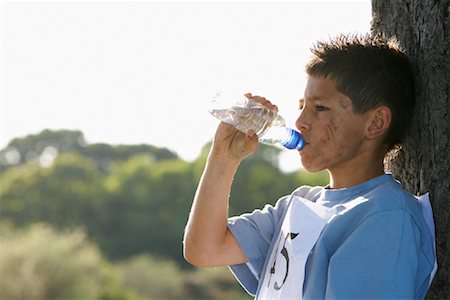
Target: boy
{"type": "Point", "coordinates": [362, 236]}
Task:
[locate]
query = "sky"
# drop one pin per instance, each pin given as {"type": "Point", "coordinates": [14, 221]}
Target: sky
{"type": "Point", "coordinates": [133, 72]}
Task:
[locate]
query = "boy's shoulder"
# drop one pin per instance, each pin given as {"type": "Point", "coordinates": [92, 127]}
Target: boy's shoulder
{"type": "Point", "coordinates": [391, 196]}
{"type": "Point", "coordinates": [387, 198]}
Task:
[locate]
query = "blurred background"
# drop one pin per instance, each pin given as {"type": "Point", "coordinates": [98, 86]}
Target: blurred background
{"type": "Point", "coordinates": [105, 131]}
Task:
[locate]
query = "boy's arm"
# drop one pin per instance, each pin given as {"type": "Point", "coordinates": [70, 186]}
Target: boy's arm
{"type": "Point", "coordinates": [207, 239]}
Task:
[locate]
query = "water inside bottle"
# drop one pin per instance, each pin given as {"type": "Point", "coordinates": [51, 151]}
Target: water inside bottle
{"type": "Point", "coordinates": [256, 118]}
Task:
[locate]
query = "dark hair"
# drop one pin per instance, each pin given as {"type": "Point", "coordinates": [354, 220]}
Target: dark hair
{"type": "Point", "coordinates": [372, 70]}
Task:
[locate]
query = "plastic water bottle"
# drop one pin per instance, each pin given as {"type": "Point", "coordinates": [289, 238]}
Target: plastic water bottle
{"type": "Point", "coordinates": [245, 114]}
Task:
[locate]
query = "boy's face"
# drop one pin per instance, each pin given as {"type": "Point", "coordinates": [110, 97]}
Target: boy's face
{"type": "Point", "coordinates": [333, 133]}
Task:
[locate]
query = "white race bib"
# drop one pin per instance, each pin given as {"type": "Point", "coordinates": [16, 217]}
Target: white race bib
{"type": "Point", "coordinates": [300, 231]}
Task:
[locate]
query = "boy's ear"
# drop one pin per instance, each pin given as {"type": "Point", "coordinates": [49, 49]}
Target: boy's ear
{"type": "Point", "coordinates": [379, 122]}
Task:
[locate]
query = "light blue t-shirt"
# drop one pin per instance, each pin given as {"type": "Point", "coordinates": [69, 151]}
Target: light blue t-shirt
{"type": "Point", "coordinates": [380, 248]}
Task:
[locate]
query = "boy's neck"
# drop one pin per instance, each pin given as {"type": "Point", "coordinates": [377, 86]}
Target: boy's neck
{"type": "Point", "coordinates": [361, 172]}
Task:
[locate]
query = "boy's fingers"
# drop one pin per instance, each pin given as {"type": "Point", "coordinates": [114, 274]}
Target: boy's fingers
{"type": "Point", "coordinates": [265, 102]}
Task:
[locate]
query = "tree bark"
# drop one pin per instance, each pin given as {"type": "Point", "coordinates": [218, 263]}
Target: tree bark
{"type": "Point", "coordinates": [423, 164]}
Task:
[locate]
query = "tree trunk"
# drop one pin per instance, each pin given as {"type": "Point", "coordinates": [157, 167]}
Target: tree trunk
{"type": "Point", "coordinates": [423, 165]}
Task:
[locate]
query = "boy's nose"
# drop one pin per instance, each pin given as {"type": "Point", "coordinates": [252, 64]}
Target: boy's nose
{"type": "Point", "coordinates": [302, 124]}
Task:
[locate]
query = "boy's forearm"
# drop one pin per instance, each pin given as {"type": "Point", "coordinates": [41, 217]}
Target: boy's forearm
{"type": "Point", "coordinates": [206, 231]}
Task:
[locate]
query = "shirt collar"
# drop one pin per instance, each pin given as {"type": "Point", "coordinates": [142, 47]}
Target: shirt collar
{"type": "Point", "coordinates": [342, 195]}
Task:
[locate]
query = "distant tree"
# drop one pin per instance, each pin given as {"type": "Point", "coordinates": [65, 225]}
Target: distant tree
{"type": "Point", "coordinates": [146, 208]}
{"type": "Point", "coordinates": [152, 277]}
{"type": "Point", "coordinates": [66, 194]}
{"type": "Point", "coordinates": [41, 263]}
{"type": "Point", "coordinates": [138, 204]}
{"type": "Point", "coordinates": [21, 150]}
{"type": "Point", "coordinates": [156, 278]}
{"type": "Point", "coordinates": [36, 147]}
{"type": "Point", "coordinates": [257, 183]}
{"type": "Point", "coordinates": [423, 165]}
{"type": "Point", "coordinates": [106, 154]}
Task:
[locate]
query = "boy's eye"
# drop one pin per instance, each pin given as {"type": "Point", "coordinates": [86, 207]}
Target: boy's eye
{"type": "Point", "coordinates": [321, 108]}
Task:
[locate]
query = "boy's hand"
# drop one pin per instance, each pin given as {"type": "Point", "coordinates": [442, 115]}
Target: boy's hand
{"type": "Point", "coordinates": [230, 143]}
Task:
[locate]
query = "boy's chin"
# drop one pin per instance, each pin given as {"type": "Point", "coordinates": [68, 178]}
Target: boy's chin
{"type": "Point", "coordinates": [312, 169]}
{"type": "Point", "coordinates": [311, 164]}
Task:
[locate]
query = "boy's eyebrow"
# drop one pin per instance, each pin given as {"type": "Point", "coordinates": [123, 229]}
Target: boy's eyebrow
{"type": "Point", "coordinates": [315, 98]}
{"type": "Point", "coordinates": [320, 98]}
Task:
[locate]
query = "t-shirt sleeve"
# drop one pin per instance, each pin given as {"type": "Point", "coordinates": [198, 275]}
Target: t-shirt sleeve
{"type": "Point", "coordinates": [254, 233]}
{"type": "Point", "coordinates": [379, 260]}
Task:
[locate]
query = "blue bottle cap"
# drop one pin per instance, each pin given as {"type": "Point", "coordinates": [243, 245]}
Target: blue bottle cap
{"type": "Point", "coordinates": [295, 141]}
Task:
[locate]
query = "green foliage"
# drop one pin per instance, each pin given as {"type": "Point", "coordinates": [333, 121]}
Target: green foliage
{"type": "Point", "coordinates": [162, 279]}
{"type": "Point", "coordinates": [37, 147]}
{"type": "Point", "coordinates": [66, 194]}
{"type": "Point", "coordinates": [256, 184]}
{"type": "Point", "coordinates": [148, 276]}
{"type": "Point", "coordinates": [40, 263]}
{"type": "Point", "coordinates": [212, 283]}
{"type": "Point", "coordinates": [131, 200]}
{"type": "Point", "coordinates": [146, 208]}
